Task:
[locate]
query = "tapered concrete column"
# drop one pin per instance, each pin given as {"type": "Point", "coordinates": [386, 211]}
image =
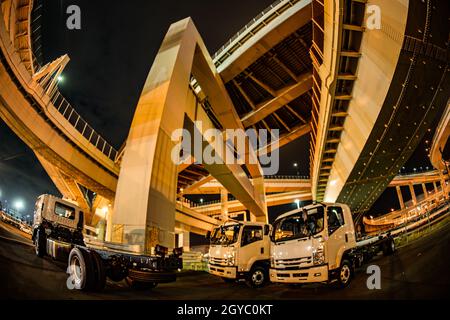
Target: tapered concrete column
{"type": "Point", "coordinates": [435, 187]}
{"type": "Point", "coordinates": [400, 197]}
{"type": "Point", "coordinates": [224, 203]}
{"type": "Point", "coordinates": [413, 194]}
{"type": "Point", "coordinates": [144, 210]}
{"type": "Point", "coordinates": [425, 192]}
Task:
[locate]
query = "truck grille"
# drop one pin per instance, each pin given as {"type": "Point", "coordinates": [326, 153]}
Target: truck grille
{"type": "Point", "coordinates": [293, 264]}
{"type": "Point", "coordinates": [217, 261]}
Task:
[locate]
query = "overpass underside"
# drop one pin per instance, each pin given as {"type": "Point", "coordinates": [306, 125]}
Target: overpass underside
{"type": "Point", "coordinates": [386, 89]}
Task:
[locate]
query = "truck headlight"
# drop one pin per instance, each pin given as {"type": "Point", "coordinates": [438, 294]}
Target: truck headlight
{"type": "Point", "coordinates": [319, 256]}
{"type": "Point", "coordinates": [231, 259]}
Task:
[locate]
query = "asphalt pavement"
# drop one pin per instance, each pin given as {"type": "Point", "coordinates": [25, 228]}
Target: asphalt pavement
{"type": "Point", "coordinates": [417, 271]}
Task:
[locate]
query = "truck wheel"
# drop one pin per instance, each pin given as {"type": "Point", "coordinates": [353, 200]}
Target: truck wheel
{"type": "Point", "coordinates": [140, 285]}
{"type": "Point", "coordinates": [345, 274]}
{"type": "Point", "coordinates": [40, 243]}
{"type": "Point", "coordinates": [100, 272]}
{"type": "Point", "coordinates": [81, 269]}
{"type": "Point", "coordinates": [389, 247]}
{"type": "Point", "coordinates": [258, 277]}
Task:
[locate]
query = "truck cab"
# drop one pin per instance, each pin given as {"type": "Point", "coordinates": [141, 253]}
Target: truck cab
{"type": "Point", "coordinates": [311, 244]}
{"type": "Point", "coordinates": [240, 251]}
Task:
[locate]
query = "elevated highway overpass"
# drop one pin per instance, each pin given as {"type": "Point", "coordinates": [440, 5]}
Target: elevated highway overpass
{"type": "Point", "coordinates": [301, 67]}
{"type": "Point", "coordinates": [376, 93]}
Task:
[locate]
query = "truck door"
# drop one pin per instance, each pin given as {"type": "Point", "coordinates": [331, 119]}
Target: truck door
{"type": "Point", "coordinates": [252, 247]}
{"type": "Point", "coordinates": [336, 234]}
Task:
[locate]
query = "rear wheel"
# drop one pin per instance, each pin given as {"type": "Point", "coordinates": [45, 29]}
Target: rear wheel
{"type": "Point", "coordinates": [100, 272]}
{"type": "Point", "coordinates": [40, 243]}
{"type": "Point", "coordinates": [344, 274]}
{"type": "Point", "coordinates": [258, 277]}
{"type": "Point", "coordinates": [81, 270]}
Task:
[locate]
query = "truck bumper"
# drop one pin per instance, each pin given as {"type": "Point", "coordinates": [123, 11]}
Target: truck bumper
{"type": "Point", "coordinates": [224, 272]}
{"type": "Point", "coordinates": [307, 275]}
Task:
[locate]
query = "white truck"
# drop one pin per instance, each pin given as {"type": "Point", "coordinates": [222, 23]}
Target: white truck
{"type": "Point", "coordinates": [317, 243]}
{"type": "Point", "coordinates": [240, 251]}
{"type": "Point", "coordinates": [58, 232]}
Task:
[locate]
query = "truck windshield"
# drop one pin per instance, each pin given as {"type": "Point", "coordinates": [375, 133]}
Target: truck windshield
{"type": "Point", "coordinates": [226, 235]}
{"type": "Point", "coordinates": [299, 225]}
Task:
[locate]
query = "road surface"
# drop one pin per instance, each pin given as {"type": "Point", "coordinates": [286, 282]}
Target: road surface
{"type": "Point", "coordinates": [417, 271]}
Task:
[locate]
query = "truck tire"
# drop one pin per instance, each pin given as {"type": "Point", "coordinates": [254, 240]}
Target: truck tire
{"type": "Point", "coordinates": [40, 243]}
{"type": "Point", "coordinates": [344, 274]}
{"type": "Point", "coordinates": [100, 272]}
{"type": "Point", "coordinates": [258, 277]}
{"type": "Point", "coordinates": [389, 247]}
{"type": "Point", "coordinates": [81, 269]}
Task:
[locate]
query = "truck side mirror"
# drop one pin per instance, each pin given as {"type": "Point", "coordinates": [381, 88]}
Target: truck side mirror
{"type": "Point", "coordinates": [208, 235]}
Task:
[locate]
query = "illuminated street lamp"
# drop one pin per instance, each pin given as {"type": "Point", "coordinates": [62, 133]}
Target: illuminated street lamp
{"type": "Point", "coordinates": [297, 202]}
{"type": "Point", "coordinates": [18, 205]}
{"type": "Point", "coordinates": [60, 78]}
{"type": "Point", "coordinates": [296, 167]}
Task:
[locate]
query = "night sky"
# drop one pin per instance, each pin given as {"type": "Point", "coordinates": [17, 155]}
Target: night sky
{"type": "Point", "coordinates": [110, 59]}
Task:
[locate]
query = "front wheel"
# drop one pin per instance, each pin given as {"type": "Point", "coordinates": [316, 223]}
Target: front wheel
{"type": "Point", "coordinates": [258, 277]}
{"type": "Point", "coordinates": [345, 274]}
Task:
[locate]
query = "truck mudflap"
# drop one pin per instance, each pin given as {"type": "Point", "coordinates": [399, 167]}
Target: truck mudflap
{"type": "Point", "coordinates": [306, 275]}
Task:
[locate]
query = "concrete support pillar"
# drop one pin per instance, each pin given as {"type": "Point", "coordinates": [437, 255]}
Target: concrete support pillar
{"type": "Point", "coordinates": [224, 204]}
{"type": "Point", "coordinates": [400, 197]}
{"type": "Point", "coordinates": [425, 192]}
{"type": "Point", "coordinates": [144, 208]}
{"type": "Point", "coordinates": [435, 187]}
{"type": "Point", "coordinates": [184, 241]}
{"type": "Point", "coordinates": [260, 194]}
{"type": "Point", "coordinates": [413, 194]}
{"type": "Point", "coordinates": [109, 226]}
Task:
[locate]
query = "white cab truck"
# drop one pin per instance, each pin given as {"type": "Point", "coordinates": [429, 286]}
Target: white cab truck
{"type": "Point", "coordinates": [240, 251]}
{"type": "Point", "coordinates": [317, 243]}
{"type": "Point", "coordinates": [58, 232]}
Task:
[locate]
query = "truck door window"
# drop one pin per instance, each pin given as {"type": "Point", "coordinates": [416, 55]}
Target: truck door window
{"type": "Point", "coordinates": [64, 211]}
{"type": "Point", "coordinates": [335, 219]}
{"type": "Point", "coordinates": [251, 234]}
